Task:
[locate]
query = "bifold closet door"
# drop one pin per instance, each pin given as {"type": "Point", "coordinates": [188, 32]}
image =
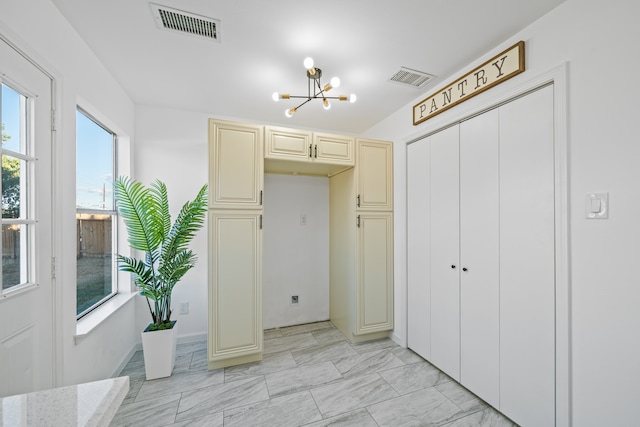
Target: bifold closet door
{"type": "Point", "coordinates": [527, 259]}
{"type": "Point", "coordinates": [479, 256]}
{"type": "Point", "coordinates": [418, 248]}
{"type": "Point", "coordinates": [444, 268]}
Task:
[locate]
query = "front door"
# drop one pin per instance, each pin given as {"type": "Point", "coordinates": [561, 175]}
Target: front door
{"type": "Point", "coordinates": [26, 291]}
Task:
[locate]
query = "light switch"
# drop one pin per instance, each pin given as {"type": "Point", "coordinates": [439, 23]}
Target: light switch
{"type": "Point", "coordinates": [597, 205]}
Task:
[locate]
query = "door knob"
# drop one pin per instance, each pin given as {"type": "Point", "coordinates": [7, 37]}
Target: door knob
{"type": "Point", "coordinates": [464, 268]}
{"type": "Point", "coordinates": [453, 266]}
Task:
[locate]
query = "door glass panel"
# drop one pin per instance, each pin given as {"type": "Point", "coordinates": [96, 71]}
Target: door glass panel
{"type": "Point", "coordinates": [15, 164]}
{"type": "Point", "coordinates": [12, 177]}
{"type": "Point", "coordinates": [14, 268]}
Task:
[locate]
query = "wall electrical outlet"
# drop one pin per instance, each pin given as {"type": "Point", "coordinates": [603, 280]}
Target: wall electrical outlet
{"type": "Point", "coordinates": [184, 308]}
{"type": "Point", "coordinates": [294, 299]}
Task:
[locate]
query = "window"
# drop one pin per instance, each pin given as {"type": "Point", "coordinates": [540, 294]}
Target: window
{"type": "Point", "coordinates": [17, 169]}
{"type": "Point", "coordinates": [95, 213]}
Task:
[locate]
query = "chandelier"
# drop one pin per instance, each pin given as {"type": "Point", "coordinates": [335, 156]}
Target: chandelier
{"type": "Point", "coordinates": [315, 90]}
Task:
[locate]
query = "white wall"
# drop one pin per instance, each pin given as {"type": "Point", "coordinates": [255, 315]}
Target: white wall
{"type": "Point", "coordinates": [38, 29]}
{"type": "Point", "coordinates": [598, 40]}
{"type": "Point", "coordinates": [296, 256]}
{"type": "Point", "coordinates": [172, 147]}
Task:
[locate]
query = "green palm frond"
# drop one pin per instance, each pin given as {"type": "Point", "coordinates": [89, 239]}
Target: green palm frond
{"type": "Point", "coordinates": [190, 219]}
{"type": "Point", "coordinates": [137, 207]}
{"type": "Point", "coordinates": [159, 192]}
{"type": "Point", "coordinates": [173, 269]}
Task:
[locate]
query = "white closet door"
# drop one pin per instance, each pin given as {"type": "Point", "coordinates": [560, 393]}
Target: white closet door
{"type": "Point", "coordinates": [479, 243]}
{"type": "Point", "coordinates": [444, 268]}
{"type": "Point", "coordinates": [418, 248]}
{"type": "Point", "coordinates": [527, 272]}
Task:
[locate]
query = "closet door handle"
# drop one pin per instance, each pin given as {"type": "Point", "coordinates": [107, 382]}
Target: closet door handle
{"type": "Point", "coordinates": [358, 200]}
{"type": "Point", "coordinates": [310, 148]}
{"type": "Point", "coordinates": [358, 221]}
{"type": "Point", "coordinates": [464, 268]}
{"type": "Point", "coordinates": [260, 197]}
{"type": "Point", "coordinates": [260, 221]}
{"type": "Point", "coordinates": [316, 151]}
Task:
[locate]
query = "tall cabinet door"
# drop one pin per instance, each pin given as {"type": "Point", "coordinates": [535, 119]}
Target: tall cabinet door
{"type": "Point", "coordinates": [444, 255]}
{"type": "Point", "coordinates": [235, 165]}
{"type": "Point", "coordinates": [527, 254]}
{"type": "Point", "coordinates": [418, 248]}
{"type": "Point", "coordinates": [479, 256]}
{"type": "Point", "coordinates": [235, 290]}
{"type": "Point", "coordinates": [374, 272]}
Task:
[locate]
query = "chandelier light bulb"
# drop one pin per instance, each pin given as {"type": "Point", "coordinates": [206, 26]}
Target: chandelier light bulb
{"type": "Point", "coordinates": [335, 82]}
{"type": "Point", "coordinates": [275, 96]}
{"type": "Point", "coordinates": [325, 104]}
{"type": "Point", "coordinates": [352, 98]}
{"type": "Point", "coordinates": [289, 112]}
{"type": "Point", "coordinates": [308, 63]}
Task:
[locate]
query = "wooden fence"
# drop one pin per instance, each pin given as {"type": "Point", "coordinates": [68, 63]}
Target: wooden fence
{"type": "Point", "coordinates": [93, 235]}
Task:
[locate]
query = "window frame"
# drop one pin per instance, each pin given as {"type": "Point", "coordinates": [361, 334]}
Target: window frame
{"type": "Point", "coordinates": [115, 288]}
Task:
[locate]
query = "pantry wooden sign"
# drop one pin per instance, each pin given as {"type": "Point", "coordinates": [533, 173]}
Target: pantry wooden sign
{"type": "Point", "coordinates": [495, 71]}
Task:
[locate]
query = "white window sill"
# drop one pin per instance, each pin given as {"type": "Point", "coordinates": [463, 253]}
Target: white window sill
{"type": "Point", "coordinates": [89, 322]}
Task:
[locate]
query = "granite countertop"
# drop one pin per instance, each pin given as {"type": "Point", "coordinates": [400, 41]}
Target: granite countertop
{"type": "Point", "coordinates": [88, 404]}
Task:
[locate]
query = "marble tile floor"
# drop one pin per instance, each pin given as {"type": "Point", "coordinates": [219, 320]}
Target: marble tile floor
{"type": "Point", "coordinates": [310, 375]}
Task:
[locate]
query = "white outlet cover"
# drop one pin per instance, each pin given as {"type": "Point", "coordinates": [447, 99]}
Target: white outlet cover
{"type": "Point", "coordinates": [596, 206]}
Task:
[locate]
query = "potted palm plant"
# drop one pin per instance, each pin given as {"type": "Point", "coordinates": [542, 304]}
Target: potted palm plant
{"type": "Point", "coordinates": [167, 258]}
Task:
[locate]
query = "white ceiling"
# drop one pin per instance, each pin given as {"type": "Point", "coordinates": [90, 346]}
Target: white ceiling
{"type": "Point", "coordinates": [263, 44]}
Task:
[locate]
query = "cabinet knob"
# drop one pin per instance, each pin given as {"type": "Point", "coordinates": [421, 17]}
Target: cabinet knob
{"type": "Point", "coordinates": [464, 268]}
{"type": "Point", "coordinates": [453, 266]}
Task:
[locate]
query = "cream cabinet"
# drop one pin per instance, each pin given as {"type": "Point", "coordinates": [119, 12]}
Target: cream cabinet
{"type": "Point", "coordinates": [235, 243]}
{"type": "Point", "coordinates": [334, 149]}
{"type": "Point", "coordinates": [236, 177]}
{"type": "Point", "coordinates": [361, 254]}
{"type": "Point", "coordinates": [374, 175]}
{"type": "Point", "coordinates": [361, 236]}
{"type": "Point", "coordinates": [287, 144]}
{"type": "Point", "coordinates": [374, 273]}
{"type": "Point", "coordinates": [293, 151]}
{"type": "Point", "coordinates": [481, 255]}
{"type": "Point", "coordinates": [235, 288]}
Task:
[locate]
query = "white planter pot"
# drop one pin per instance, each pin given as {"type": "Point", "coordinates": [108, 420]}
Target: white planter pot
{"type": "Point", "coordinates": [159, 348]}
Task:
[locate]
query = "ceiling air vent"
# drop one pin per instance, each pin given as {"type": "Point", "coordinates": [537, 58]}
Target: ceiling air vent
{"type": "Point", "coordinates": [177, 20]}
{"type": "Point", "coordinates": [411, 77]}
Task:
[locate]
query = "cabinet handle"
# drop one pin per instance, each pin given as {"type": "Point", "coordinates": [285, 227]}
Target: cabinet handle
{"type": "Point", "coordinates": [260, 197]}
{"type": "Point", "coordinates": [310, 145]}
{"type": "Point", "coordinates": [453, 266]}
{"type": "Point", "coordinates": [358, 200]}
{"type": "Point", "coordinates": [260, 221]}
{"type": "Point", "coordinates": [358, 221]}
{"type": "Point", "coordinates": [316, 151]}
{"type": "Point", "coordinates": [464, 268]}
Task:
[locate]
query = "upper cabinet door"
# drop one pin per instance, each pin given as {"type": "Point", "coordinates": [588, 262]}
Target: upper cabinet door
{"type": "Point", "coordinates": [374, 175]}
{"type": "Point", "coordinates": [235, 165]}
{"type": "Point", "coordinates": [334, 149]}
{"type": "Point", "coordinates": [287, 144]}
